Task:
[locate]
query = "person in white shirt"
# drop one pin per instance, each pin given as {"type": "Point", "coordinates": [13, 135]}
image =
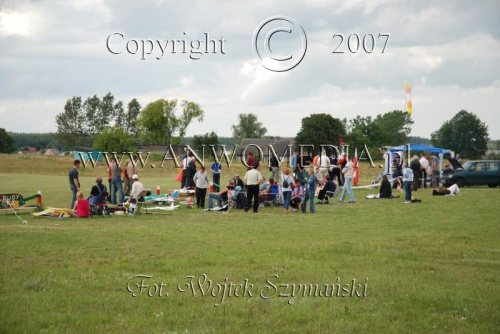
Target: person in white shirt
{"type": "Point", "coordinates": [424, 163]}
{"type": "Point", "coordinates": [137, 188]}
{"type": "Point", "coordinates": [252, 179]}
{"type": "Point", "coordinates": [324, 164]}
{"type": "Point", "coordinates": [201, 182]}
{"type": "Point", "coordinates": [407, 181]}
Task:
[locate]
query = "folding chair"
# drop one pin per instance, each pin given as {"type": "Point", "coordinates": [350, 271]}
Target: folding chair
{"type": "Point", "coordinates": [100, 208]}
{"type": "Point", "coordinates": [141, 202]}
{"type": "Point", "coordinates": [271, 198]}
{"type": "Point", "coordinates": [332, 195]}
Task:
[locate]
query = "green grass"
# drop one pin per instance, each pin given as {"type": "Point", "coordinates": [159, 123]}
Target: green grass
{"type": "Point", "coordinates": [432, 267]}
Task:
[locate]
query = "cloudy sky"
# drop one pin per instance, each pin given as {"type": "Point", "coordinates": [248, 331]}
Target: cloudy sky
{"type": "Point", "coordinates": [449, 51]}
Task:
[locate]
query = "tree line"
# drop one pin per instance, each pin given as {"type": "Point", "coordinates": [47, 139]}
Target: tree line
{"type": "Point", "coordinates": [110, 125]}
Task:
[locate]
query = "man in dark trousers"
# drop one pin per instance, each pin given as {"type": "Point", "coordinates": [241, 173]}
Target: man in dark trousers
{"type": "Point", "coordinates": [253, 178]}
{"type": "Point", "coordinates": [74, 182]}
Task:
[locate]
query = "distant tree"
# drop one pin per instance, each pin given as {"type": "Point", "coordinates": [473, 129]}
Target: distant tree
{"type": "Point", "coordinates": [361, 130]}
{"type": "Point", "coordinates": [80, 123]}
{"type": "Point", "coordinates": [206, 139]}
{"type": "Point", "coordinates": [464, 134]}
{"type": "Point", "coordinates": [248, 127]}
{"type": "Point", "coordinates": [159, 124]}
{"type": "Point", "coordinates": [6, 142]}
{"type": "Point", "coordinates": [320, 129]}
{"type": "Point", "coordinates": [133, 112]}
{"type": "Point", "coordinates": [115, 139]}
{"type": "Point", "coordinates": [39, 140]}
{"type": "Point", "coordinates": [391, 128]}
{"type": "Point", "coordinates": [70, 123]}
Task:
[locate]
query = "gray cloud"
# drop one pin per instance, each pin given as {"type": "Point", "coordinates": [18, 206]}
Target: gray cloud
{"type": "Point", "coordinates": [449, 52]}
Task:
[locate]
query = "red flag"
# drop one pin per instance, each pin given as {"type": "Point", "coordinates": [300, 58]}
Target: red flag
{"type": "Point", "coordinates": [356, 170]}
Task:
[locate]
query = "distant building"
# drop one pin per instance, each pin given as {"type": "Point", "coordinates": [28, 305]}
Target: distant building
{"type": "Point", "coordinates": [27, 152]}
{"type": "Point", "coordinates": [52, 151]}
{"type": "Point", "coordinates": [178, 149]}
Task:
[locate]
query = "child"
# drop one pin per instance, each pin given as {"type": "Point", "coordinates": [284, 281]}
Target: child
{"type": "Point", "coordinates": [82, 207]}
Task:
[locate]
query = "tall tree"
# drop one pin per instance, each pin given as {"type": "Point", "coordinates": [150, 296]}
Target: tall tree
{"type": "Point", "coordinates": [320, 129]}
{"type": "Point", "coordinates": [114, 139]}
{"type": "Point", "coordinates": [159, 124]}
{"type": "Point", "coordinates": [70, 128]}
{"type": "Point", "coordinates": [248, 127]}
{"type": "Point", "coordinates": [79, 124]}
{"type": "Point", "coordinates": [133, 112]}
{"type": "Point", "coordinates": [206, 139]}
{"type": "Point", "coordinates": [391, 128]}
{"type": "Point", "coordinates": [464, 134]}
{"type": "Point", "coordinates": [190, 112]}
{"type": "Point", "coordinates": [6, 142]}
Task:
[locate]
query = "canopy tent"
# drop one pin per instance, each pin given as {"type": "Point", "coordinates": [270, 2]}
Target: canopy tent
{"type": "Point", "coordinates": [423, 148]}
{"type": "Point", "coordinates": [420, 147]}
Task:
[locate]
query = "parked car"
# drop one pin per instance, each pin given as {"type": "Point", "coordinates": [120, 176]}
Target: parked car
{"type": "Point", "coordinates": [480, 172]}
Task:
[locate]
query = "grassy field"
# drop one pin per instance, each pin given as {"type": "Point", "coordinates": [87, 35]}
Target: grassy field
{"type": "Point", "coordinates": [430, 267]}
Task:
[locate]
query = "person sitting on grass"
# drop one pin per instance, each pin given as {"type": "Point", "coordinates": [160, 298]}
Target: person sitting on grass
{"type": "Point", "coordinates": [220, 196]}
{"type": "Point", "coordinates": [385, 188]}
{"type": "Point", "coordinates": [82, 206]}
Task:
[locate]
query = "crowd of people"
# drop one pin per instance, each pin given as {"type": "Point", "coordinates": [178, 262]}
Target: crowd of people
{"type": "Point", "coordinates": [308, 178]}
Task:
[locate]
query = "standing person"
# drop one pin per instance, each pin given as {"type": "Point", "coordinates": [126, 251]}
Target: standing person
{"type": "Point", "coordinates": [216, 168]}
{"type": "Point", "coordinates": [74, 182]}
{"type": "Point", "coordinates": [116, 183]}
{"type": "Point", "coordinates": [415, 166]}
{"type": "Point", "coordinates": [407, 180]}
{"type": "Point", "coordinates": [324, 164]}
{"type": "Point", "coordinates": [189, 174]}
{"type": "Point", "coordinates": [110, 177]}
{"type": "Point", "coordinates": [294, 161]}
{"type": "Point", "coordinates": [184, 166]}
{"type": "Point", "coordinates": [201, 182]}
{"type": "Point", "coordinates": [457, 157]}
{"type": "Point", "coordinates": [252, 179]}
{"type": "Point", "coordinates": [306, 159]}
{"type": "Point", "coordinates": [275, 167]}
{"type": "Point", "coordinates": [424, 165]}
{"type": "Point", "coordinates": [434, 170]}
{"type": "Point", "coordinates": [287, 189]}
{"type": "Point", "coordinates": [252, 162]}
{"type": "Point", "coordinates": [312, 181]}
{"type": "Point", "coordinates": [333, 159]}
{"type": "Point", "coordinates": [348, 172]}
{"type": "Point", "coordinates": [127, 177]}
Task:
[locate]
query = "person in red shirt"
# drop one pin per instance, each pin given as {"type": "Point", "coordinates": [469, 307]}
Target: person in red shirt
{"type": "Point", "coordinates": [252, 161]}
{"type": "Point", "coordinates": [82, 207]}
